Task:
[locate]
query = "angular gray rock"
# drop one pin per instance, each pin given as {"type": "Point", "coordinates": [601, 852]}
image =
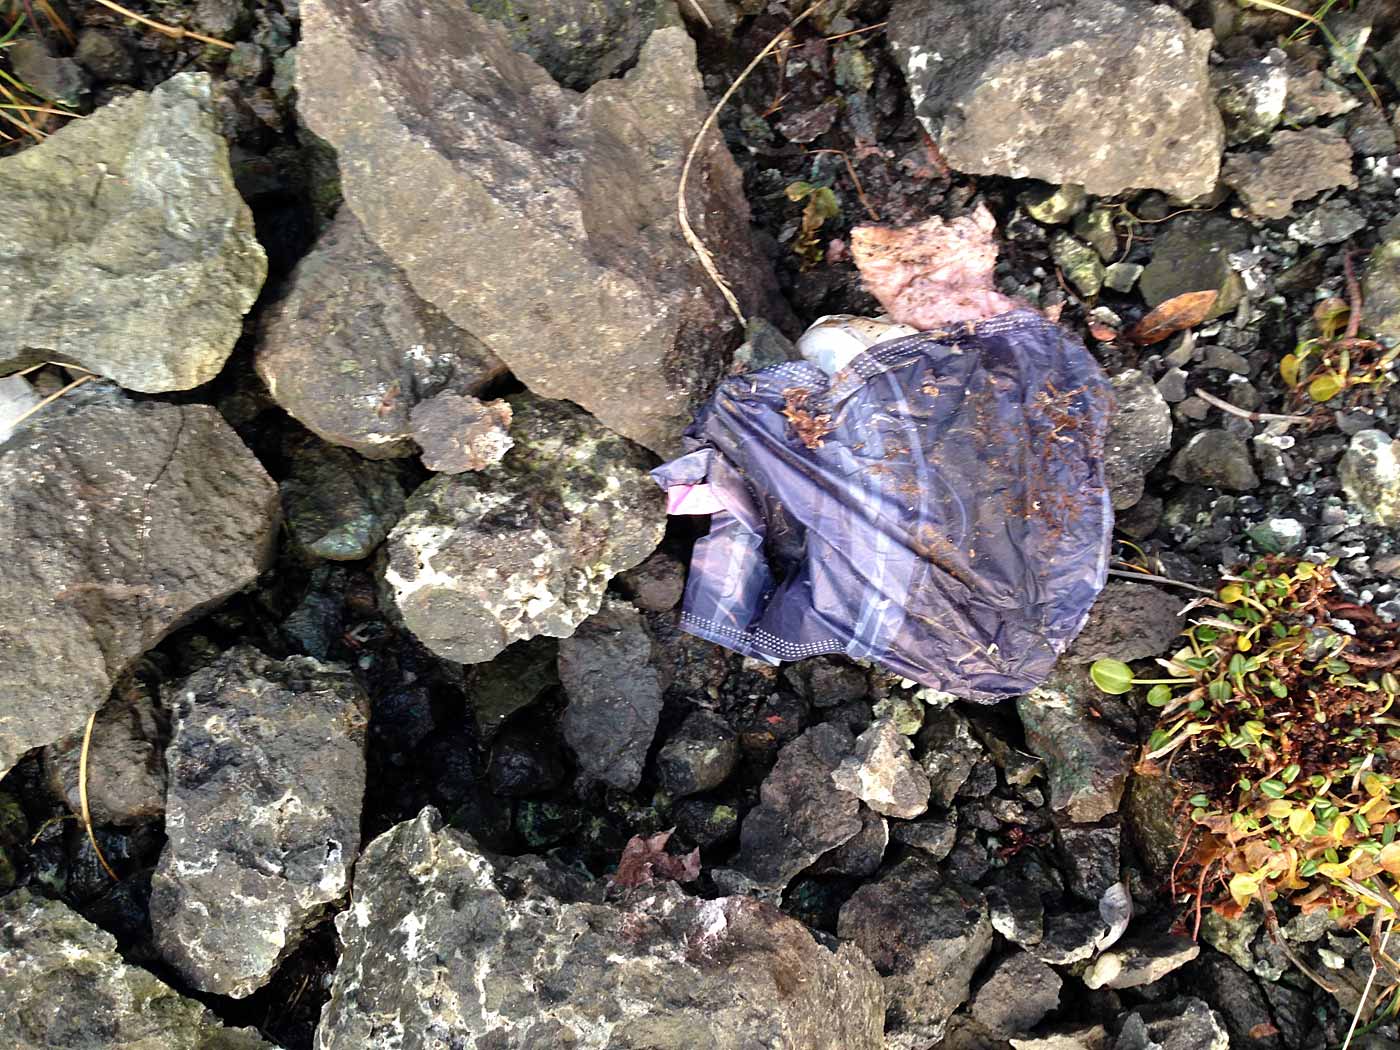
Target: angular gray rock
{"type": "Point", "coordinates": [459, 433]}
{"type": "Point", "coordinates": [926, 937]}
{"type": "Point", "coordinates": [350, 349]}
{"type": "Point", "coordinates": [125, 247]}
{"type": "Point", "coordinates": [1250, 93]}
{"type": "Point", "coordinates": [62, 983]}
{"type": "Point", "coordinates": [1086, 758]}
{"type": "Point", "coordinates": [1139, 435]}
{"type": "Point", "coordinates": [1129, 621]}
{"type": "Point", "coordinates": [1295, 166]}
{"type": "Point", "coordinates": [1141, 961]}
{"type": "Point", "coordinates": [801, 814]}
{"type": "Point", "coordinates": [1106, 94]}
{"type": "Point", "coordinates": [608, 670]}
{"type": "Point", "coordinates": [1191, 253]}
{"type": "Point", "coordinates": [483, 559]}
{"type": "Point", "coordinates": [881, 773]}
{"type": "Point", "coordinates": [1380, 291]}
{"type": "Point", "coordinates": [699, 756]}
{"type": "Point", "coordinates": [125, 767]}
{"type": "Point", "coordinates": [602, 302]}
{"type": "Point", "coordinates": [1185, 1023]}
{"type": "Point", "coordinates": [120, 522]}
{"type": "Point", "coordinates": [948, 751]}
{"type": "Point", "coordinates": [447, 945]}
{"type": "Point", "coordinates": [338, 505]}
{"type": "Point", "coordinates": [1370, 473]}
{"type": "Point", "coordinates": [1016, 996]}
{"type": "Point", "coordinates": [859, 856]}
{"type": "Point", "coordinates": [267, 777]}
{"type": "Point", "coordinates": [1216, 458]}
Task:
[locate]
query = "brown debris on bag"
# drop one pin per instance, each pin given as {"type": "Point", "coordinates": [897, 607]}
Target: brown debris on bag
{"type": "Point", "coordinates": [933, 273]}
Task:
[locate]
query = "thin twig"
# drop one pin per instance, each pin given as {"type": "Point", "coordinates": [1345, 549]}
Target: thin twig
{"type": "Point", "coordinates": [50, 399]}
{"type": "Point", "coordinates": [707, 260]}
{"type": "Point", "coordinates": [860, 190]}
{"type": "Point", "coordinates": [161, 27]}
{"type": "Point", "coordinates": [700, 11]}
{"type": "Point", "coordinates": [1253, 417]}
{"type": "Point", "coordinates": [1370, 980]}
{"type": "Point", "coordinates": [1353, 297]}
{"type": "Point", "coordinates": [83, 796]}
{"type": "Point", "coordinates": [1159, 579]}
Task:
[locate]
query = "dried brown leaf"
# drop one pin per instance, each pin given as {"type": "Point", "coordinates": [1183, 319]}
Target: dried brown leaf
{"type": "Point", "coordinates": [1175, 315]}
{"type": "Point", "coordinates": [644, 859]}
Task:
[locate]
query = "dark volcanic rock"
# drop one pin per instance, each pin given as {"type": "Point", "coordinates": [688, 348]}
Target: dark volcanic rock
{"type": "Point", "coordinates": [126, 247]}
{"type": "Point", "coordinates": [121, 522]}
{"type": "Point", "coordinates": [926, 937]}
{"type": "Point", "coordinates": [62, 984]}
{"type": "Point", "coordinates": [1029, 89]}
{"type": "Point", "coordinates": [1192, 254]}
{"type": "Point", "coordinates": [801, 814]}
{"type": "Point", "coordinates": [1139, 435]}
{"type": "Point", "coordinates": [607, 668]}
{"type": "Point", "coordinates": [699, 756]}
{"type": "Point", "coordinates": [1181, 1024]}
{"type": "Point", "coordinates": [338, 505]}
{"type": "Point", "coordinates": [579, 42]}
{"type": "Point", "coordinates": [1129, 621]}
{"type": "Point", "coordinates": [267, 775]}
{"type": "Point", "coordinates": [948, 752]}
{"type": "Point", "coordinates": [602, 301]}
{"type": "Point", "coordinates": [486, 558]}
{"type": "Point", "coordinates": [1016, 995]}
{"type": "Point", "coordinates": [1217, 458]}
{"type": "Point", "coordinates": [447, 945]}
{"type": "Point", "coordinates": [351, 349]}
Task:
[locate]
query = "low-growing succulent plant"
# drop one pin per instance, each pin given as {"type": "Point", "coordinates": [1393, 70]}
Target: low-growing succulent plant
{"type": "Point", "coordinates": [1278, 718]}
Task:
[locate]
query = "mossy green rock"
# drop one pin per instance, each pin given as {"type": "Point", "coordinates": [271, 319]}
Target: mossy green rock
{"type": "Point", "coordinates": [526, 547]}
{"type": "Point", "coordinates": [62, 983]}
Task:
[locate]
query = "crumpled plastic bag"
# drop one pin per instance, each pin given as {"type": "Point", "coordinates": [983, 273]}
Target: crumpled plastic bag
{"type": "Point", "coordinates": [937, 505]}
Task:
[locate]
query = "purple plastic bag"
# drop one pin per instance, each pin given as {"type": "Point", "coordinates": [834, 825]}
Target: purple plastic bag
{"type": "Point", "coordinates": [937, 506]}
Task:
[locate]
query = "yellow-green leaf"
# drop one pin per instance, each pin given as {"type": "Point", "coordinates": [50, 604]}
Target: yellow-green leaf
{"type": "Point", "coordinates": [1324, 387]}
{"type": "Point", "coordinates": [1243, 888]}
{"type": "Point", "coordinates": [1231, 593]}
{"type": "Point", "coordinates": [1301, 822]}
{"type": "Point", "coordinates": [1289, 367]}
{"type": "Point", "coordinates": [1334, 871]}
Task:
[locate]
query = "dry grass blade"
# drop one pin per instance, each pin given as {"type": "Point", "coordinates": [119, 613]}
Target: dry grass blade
{"type": "Point", "coordinates": [161, 27]}
{"type": "Point", "coordinates": [1253, 417]}
{"type": "Point", "coordinates": [707, 261]}
{"type": "Point", "coordinates": [83, 796]}
{"type": "Point", "coordinates": [1370, 981]}
{"type": "Point", "coordinates": [52, 397]}
{"type": "Point", "coordinates": [1314, 20]}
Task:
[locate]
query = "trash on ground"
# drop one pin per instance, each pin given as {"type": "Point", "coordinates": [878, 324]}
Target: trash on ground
{"type": "Point", "coordinates": [931, 500]}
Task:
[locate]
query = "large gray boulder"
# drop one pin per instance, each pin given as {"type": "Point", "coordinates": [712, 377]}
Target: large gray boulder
{"type": "Point", "coordinates": [120, 522]}
{"type": "Point", "coordinates": [267, 776]}
{"type": "Point", "coordinates": [350, 349]}
{"type": "Point", "coordinates": [553, 235]}
{"type": "Point", "coordinates": [62, 984]}
{"type": "Point", "coordinates": [526, 547]}
{"type": "Point", "coordinates": [1106, 94]}
{"type": "Point", "coordinates": [125, 246]}
{"type": "Point", "coordinates": [446, 945]}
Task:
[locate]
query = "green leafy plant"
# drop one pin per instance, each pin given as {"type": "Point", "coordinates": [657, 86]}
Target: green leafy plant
{"type": "Point", "coordinates": [821, 205]}
{"type": "Point", "coordinates": [1336, 359]}
{"type": "Point", "coordinates": [1276, 718]}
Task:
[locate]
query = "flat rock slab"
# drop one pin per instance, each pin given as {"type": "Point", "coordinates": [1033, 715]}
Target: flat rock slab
{"type": "Point", "coordinates": [526, 547]}
{"type": "Point", "coordinates": [62, 984]}
{"type": "Point", "coordinates": [120, 522]}
{"type": "Point", "coordinates": [267, 777]}
{"type": "Point", "coordinates": [553, 235]}
{"type": "Point", "coordinates": [607, 669]}
{"type": "Point", "coordinates": [1295, 166]}
{"type": "Point", "coordinates": [350, 349]}
{"type": "Point", "coordinates": [125, 247]}
{"type": "Point", "coordinates": [445, 944]}
{"type": "Point", "coordinates": [1106, 94]}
